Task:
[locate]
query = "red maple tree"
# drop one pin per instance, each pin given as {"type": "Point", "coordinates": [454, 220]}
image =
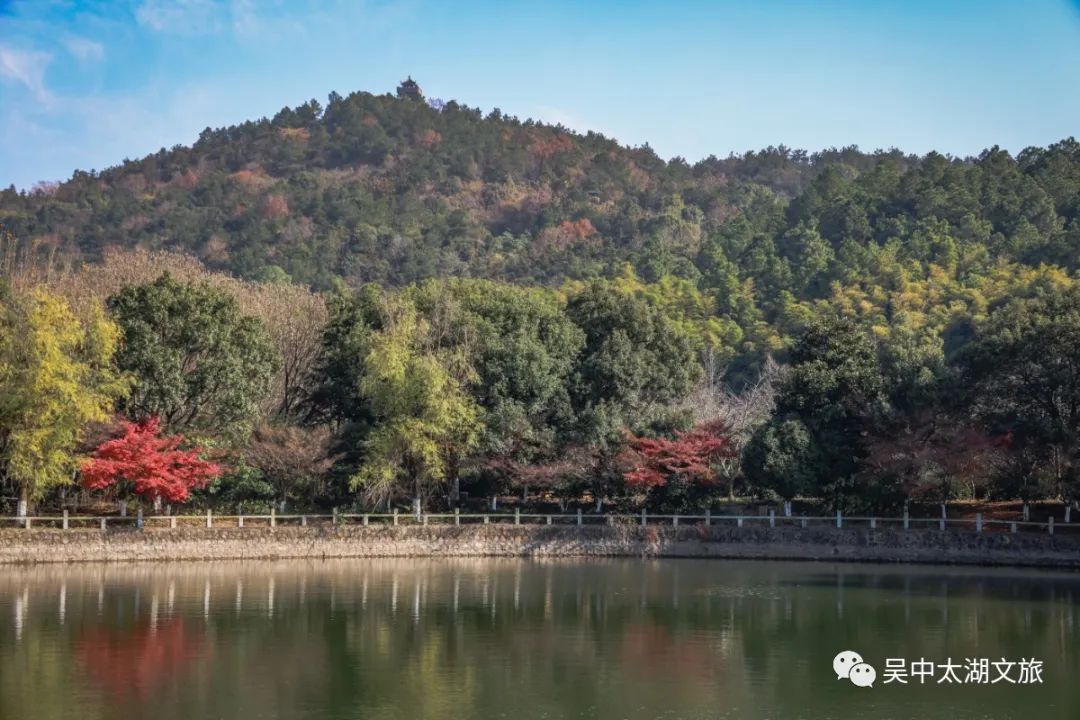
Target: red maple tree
{"type": "Point", "coordinates": [690, 455]}
{"type": "Point", "coordinates": [153, 466]}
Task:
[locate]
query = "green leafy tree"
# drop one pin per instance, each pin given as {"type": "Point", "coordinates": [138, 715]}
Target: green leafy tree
{"type": "Point", "coordinates": [830, 399]}
{"type": "Point", "coordinates": [522, 347]}
{"type": "Point", "coordinates": [1022, 374]}
{"type": "Point", "coordinates": [633, 365]}
{"type": "Point", "coordinates": [633, 369]}
{"type": "Point", "coordinates": [354, 318]}
{"type": "Point", "coordinates": [784, 457]}
{"type": "Point", "coordinates": [199, 364]}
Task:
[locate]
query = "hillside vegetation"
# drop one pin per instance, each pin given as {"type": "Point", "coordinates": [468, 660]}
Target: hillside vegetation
{"type": "Point", "coordinates": [450, 297]}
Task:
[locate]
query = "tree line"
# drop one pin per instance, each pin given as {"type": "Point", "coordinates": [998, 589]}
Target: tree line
{"type": "Point", "coordinates": [148, 376]}
{"type": "Point", "coordinates": [844, 325]}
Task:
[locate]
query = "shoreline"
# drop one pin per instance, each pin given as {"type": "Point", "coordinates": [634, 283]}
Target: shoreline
{"type": "Point", "coordinates": [46, 546]}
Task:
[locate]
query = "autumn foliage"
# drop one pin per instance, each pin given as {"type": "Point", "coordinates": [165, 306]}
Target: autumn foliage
{"type": "Point", "coordinates": [549, 145]}
{"type": "Point", "coordinates": [690, 455]}
{"type": "Point", "coordinates": [276, 206]}
{"type": "Point", "coordinates": [153, 466]}
{"type": "Point", "coordinates": [567, 234]}
{"type": "Point", "coordinates": [429, 139]}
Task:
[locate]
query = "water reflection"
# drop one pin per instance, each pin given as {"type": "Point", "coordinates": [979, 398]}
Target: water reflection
{"type": "Point", "coordinates": [488, 638]}
{"type": "Point", "coordinates": [139, 658]}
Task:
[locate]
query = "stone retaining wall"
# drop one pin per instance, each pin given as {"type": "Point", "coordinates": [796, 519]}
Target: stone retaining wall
{"type": "Point", "coordinates": [922, 546]}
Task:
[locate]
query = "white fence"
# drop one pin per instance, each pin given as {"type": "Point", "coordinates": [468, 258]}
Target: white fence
{"type": "Point", "coordinates": [977, 524]}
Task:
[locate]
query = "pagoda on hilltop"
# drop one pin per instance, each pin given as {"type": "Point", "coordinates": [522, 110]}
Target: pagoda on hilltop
{"type": "Point", "coordinates": [409, 90]}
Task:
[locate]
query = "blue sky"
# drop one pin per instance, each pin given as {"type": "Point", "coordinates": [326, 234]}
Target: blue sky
{"type": "Point", "coordinates": [84, 84]}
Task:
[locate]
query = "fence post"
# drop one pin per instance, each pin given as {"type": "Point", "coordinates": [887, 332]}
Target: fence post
{"type": "Point", "coordinates": [457, 516]}
{"type": "Point", "coordinates": [65, 519]}
{"type": "Point", "coordinates": [104, 521]}
{"type": "Point", "coordinates": [395, 517]}
{"type": "Point", "coordinates": [708, 517]}
{"type": "Point", "coordinates": [333, 519]}
{"type": "Point", "coordinates": [172, 522]}
{"type": "Point", "coordinates": [941, 524]}
{"type": "Point", "coordinates": [240, 520]}
{"type": "Point", "coordinates": [1068, 513]}
{"type": "Point", "coordinates": [139, 519]}
{"type": "Point", "coordinates": [423, 518]}
{"type": "Point", "coordinates": [366, 519]}
{"type": "Point", "coordinates": [548, 519]}
{"type": "Point", "coordinates": [839, 520]}
{"type": "Point", "coordinates": [1012, 527]}
{"type": "Point", "coordinates": [978, 522]}
{"type": "Point", "coordinates": [209, 518]}
{"type": "Point", "coordinates": [674, 521]}
{"type": "Point", "coordinates": [803, 521]}
{"type": "Point", "coordinates": [907, 520]}
{"type": "Point", "coordinates": [738, 521]}
{"type": "Point", "coordinates": [273, 516]}
{"type": "Point", "coordinates": [772, 517]}
{"type": "Point", "coordinates": [873, 523]}
{"type": "Point", "coordinates": [28, 522]}
{"type": "Point", "coordinates": [644, 517]}
{"type": "Point", "coordinates": [303, 521]}
{"type": "Point", "coordinates": [517, 516]}
{"type": "Point", "coordinates": [1050, 525]}
{"type": "Point", "coordinates": [487, 519]}
{"type": "Point", "coordinates": [579, 516]}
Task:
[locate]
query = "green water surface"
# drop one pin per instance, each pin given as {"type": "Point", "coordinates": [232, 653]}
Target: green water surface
{"type": "Point", "coordinates": [462, 639]}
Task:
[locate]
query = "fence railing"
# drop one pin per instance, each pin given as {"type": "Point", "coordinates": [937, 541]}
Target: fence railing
{"type": "Point", "coordinates": [978, 523]}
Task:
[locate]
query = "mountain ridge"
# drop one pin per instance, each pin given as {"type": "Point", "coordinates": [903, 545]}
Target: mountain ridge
{"type": "Point", "coordinates": [373, 188]}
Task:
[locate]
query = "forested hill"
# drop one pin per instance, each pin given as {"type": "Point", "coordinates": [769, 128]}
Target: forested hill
{"type": "Point", "coordinates": [377, 188]}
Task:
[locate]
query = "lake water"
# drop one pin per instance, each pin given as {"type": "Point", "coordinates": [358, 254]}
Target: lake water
{"type": "Point", "coordinates": [463, 639]}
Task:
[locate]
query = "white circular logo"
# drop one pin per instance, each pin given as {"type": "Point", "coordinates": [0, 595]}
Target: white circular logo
{"type": "Point", "coordinates": [843, 663]}
{"type": "Point", "coordinates": [863, 675]}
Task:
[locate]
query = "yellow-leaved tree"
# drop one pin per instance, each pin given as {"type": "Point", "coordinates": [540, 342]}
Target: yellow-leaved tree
{"type": "Point", "coordinates": [56, 377]}
{"type": "Point", "coordinates": [425, 422]}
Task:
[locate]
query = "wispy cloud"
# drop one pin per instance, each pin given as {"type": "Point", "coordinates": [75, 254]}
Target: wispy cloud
{"type": "Point", "coordinates": [244, 18]}
{"type": "Point", "coordinates": [182, 17]}
{"type": "Point", "coordinates": [265, 21]}
{"type": "Point", "coordinates": [26, 67]}
{"type": "Point", "coordinates": [84, 49]}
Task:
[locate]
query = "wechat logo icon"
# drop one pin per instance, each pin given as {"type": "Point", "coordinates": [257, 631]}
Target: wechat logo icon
{"type": "Point", "coordinates": [850, 665]}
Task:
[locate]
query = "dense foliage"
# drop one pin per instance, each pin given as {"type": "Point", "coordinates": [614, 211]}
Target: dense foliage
{"type": "Point", "coordinates": [145, 462]}
{"type": "Point", "coordinates": [55, 378]}
{"type": "Point", "coordinates": [372, 188]}
{"type": "Point", "coordinates": [444, 302]}
{"type": "Point", "coordinates": [198, 363]}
